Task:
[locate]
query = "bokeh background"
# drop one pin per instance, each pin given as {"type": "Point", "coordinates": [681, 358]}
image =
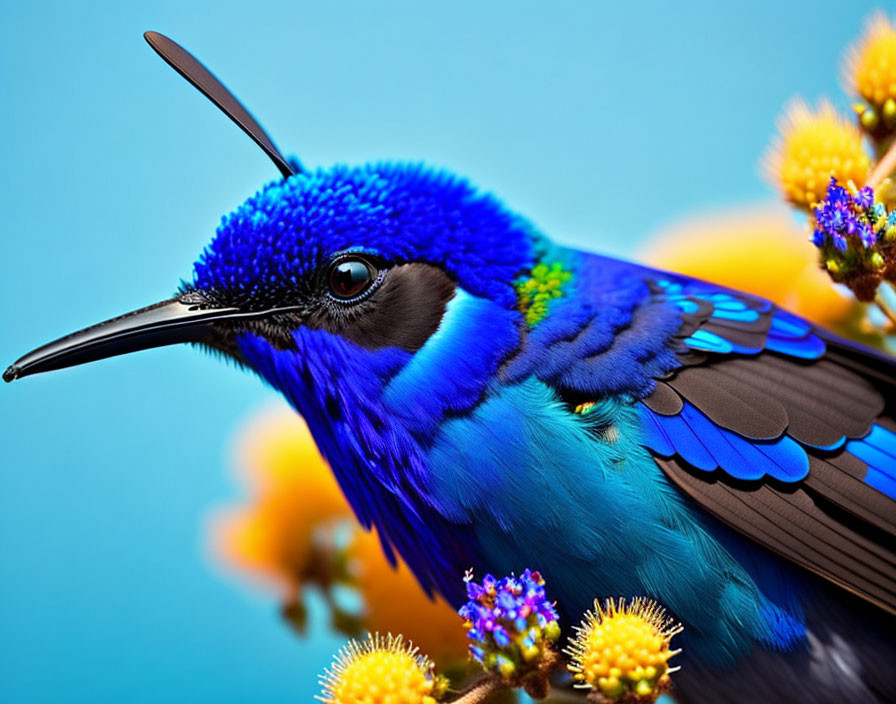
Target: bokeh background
{"type": "Point", "coordinates": [602, 122]}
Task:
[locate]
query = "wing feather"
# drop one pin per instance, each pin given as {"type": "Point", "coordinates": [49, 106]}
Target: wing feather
{"type": "Point", "coordinates": [779, 429]}
{"type": "Point", "coordinates": [752, 376]}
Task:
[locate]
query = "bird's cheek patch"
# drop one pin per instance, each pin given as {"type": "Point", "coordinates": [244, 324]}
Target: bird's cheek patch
{"type": "Point", "coordinates": [403, 312]}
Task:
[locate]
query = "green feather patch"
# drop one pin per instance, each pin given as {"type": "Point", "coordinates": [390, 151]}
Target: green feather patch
{"type": "Point", "coordinates": [534, 292]}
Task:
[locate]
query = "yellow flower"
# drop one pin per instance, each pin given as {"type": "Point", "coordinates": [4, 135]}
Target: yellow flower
{"type": "Point", "coordinates": [813, 146]}
{"type": "Point", "coordinates": [871, 67]}
{"type": "Point", "coordinates": [380, 671]}
{"type": "Point", "coordinates": [622, 650]}
{"type": "Point", "coordinates": [298, 529]}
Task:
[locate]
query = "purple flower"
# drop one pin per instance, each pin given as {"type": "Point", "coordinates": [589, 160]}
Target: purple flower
{"type": "Point", "coordinates": [839, 241]}
{"type": "Point", "coordinates": [864, 198]}
{"type": "Point", "coordinates": [508, 621]}
{"type": "Point", "coordinates": [866, 234]}
{"type": "Point", "coordinates": [843, 218]}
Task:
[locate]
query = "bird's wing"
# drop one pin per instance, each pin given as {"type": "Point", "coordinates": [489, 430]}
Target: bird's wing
{"type": "Point", "coordinates": [778, 428]}
{"type": "Point", "coordinates": [782, 431]}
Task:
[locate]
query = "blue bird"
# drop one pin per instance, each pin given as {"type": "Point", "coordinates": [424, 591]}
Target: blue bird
{"type": "Point", "coordinates": [489, 399]}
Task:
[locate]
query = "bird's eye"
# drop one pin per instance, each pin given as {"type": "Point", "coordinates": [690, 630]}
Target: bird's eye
{"type": "Point", "coordinates": [350, 277]}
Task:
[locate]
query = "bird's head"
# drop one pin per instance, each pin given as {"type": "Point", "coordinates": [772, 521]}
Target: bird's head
{"type": "Point", "coordinates": [382, 301]}
{"type": "Point", "coordinates": [322, 264]}
{"type": "Point", "coordinates": [371, 255]}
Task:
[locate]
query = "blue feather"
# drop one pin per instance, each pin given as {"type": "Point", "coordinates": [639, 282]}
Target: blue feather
{"type": "Point", "coordinates": [787, 334]}
{"type": "Point", "coordinates": [794, 337]}
{"type": "Point", "coordinates": [703, 340]}
{"type": "Point", "coordinates": [884, 440]}
{"type": "Point", "coordinates": [685, 305]}
{"type": "Point", "coordinates": [656, 438]}
{"type": "Point", "coordinates": [437, 380]}
{"type": "Point", "coordinates": [597, 517]}
{"type": "Point", "coordinates": [881, 481]}
{"type": "Point", "coordinates": [868, 453]}
{"type": "Point", "coordinates": [578, 346]}
{"type": "Point", "coordinates": [706, 446]}
{"type": "Point", "coordinates": [811, 347]}
{"type": "Point", "coordinates": [743, 315]}
{"type": "Point", "coordinates": [878, 451]}
{"type": "Point", "coordinates": [787, 324]}
{"type": "Point", "coordinates": [829, 448]}
{"type": "Point", "coordinates": [405, 210]}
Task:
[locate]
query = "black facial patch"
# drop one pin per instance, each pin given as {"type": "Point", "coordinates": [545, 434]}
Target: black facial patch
{"type": "Point", "coordinates": [403, 312]}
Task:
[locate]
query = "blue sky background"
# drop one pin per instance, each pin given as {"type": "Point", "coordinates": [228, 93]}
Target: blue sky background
{"type": "Point", "coordinates": [600, 122]}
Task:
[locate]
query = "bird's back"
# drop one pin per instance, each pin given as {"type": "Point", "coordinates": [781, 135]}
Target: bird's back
{"type": "Point", "coordinates": [662, 436]}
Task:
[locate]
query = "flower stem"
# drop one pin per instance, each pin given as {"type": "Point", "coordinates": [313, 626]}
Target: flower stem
{"type": "Point", "coordinates": [884, 167]}
{"type": "Point", "coordinates": [480, 690]}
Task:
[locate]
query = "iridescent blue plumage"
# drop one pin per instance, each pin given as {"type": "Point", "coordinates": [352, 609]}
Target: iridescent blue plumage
{"type": "Point", "coordinates": [639, 433]}
{"type": "Point", "coordinates": [269, 245]}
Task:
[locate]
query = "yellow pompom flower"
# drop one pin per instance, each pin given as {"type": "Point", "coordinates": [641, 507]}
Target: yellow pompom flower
{"type": "Point", "coordinates": [622, 650]}
{"type": "Point", "coordinates": [812, 146]}
{"type": "Point", "coordinates": [380, 671]}
{"type": "Point", "coordinates": [871, 73]}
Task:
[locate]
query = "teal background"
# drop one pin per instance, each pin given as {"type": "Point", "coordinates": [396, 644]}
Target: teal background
{"type": "Point", "coordinates": [600, 122]}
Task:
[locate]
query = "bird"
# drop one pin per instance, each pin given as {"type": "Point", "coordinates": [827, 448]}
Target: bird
{"type": "Point", "coordinates": [489, 399]}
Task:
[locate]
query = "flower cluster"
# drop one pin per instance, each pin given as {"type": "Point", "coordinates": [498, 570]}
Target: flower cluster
{"type": "Point", "coordinates": [510, 623]}
{"type": "Point", "coordinates": [821, 166]}
{"type": "Point", "coordinates": [812, 145]}
{"type": "Point", "coordinates": [856, 237]}
{"type": "Point", "coordinates": [621, 651]}
{"type": "Point", "coordinates": [845, 218]}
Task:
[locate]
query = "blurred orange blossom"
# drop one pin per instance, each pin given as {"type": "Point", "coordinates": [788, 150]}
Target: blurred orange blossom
{"type": "Point", "coordinates": [758, 250]}
{"type": "Point", "coordinates": [297, 530]}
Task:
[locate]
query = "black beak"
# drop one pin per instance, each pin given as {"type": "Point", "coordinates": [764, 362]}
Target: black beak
{"type": "Point", "coordinates": [167, 323]}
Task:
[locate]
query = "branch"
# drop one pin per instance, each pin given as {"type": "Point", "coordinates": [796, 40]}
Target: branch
{"type": "Point", "coordinates": [480, 690]}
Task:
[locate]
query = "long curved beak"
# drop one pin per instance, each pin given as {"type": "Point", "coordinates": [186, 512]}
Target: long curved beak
{"type": "Point", "coordinates": [166, 323]}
